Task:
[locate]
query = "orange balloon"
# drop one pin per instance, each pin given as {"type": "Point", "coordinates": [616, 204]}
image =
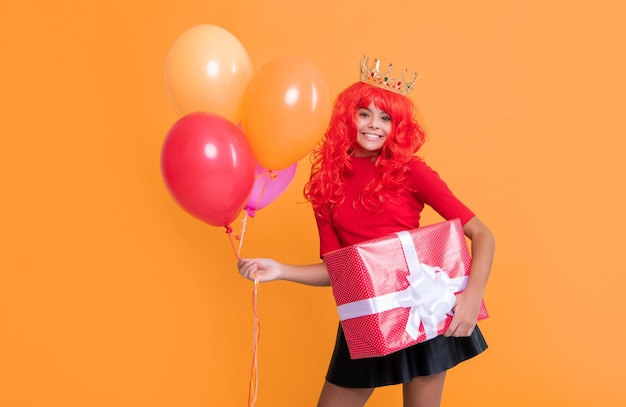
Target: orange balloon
{"type": "Point", "coordinates": [207, 69]}
{"type": "Point", "coordinates": [285, 111]}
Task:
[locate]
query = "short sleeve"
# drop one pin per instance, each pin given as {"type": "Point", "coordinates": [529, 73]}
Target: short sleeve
{"type": "Point", "coordinates": [434, 192]}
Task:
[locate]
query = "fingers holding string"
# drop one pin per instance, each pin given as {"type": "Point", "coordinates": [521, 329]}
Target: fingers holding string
{"type": "Point", "coordinates": [247, 268]}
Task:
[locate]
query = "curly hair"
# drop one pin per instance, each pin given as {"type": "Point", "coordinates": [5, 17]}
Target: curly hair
{"type": "Point", "coordinates": [331, 159]}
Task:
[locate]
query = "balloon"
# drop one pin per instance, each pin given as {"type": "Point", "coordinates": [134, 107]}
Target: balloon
{"type": "Point", "coordinates": [208, 167]}
{"type": "Point", "coordinates": [207, 69]}
{"type": "Point", "coordinates": [285, 111]}
{"type": "Point", "coordinates": [268, 186]}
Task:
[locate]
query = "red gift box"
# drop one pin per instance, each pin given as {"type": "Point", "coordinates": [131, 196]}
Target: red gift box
{"type": "Point", "coordinates": [398, 290]}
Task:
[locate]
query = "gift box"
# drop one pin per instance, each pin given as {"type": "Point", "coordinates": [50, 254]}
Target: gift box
{"type": "Point", "coordinates": [398, 290]}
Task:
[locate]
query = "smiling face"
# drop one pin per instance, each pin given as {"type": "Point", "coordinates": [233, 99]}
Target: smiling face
{"type": "Point", "coordinates": [372, 126]}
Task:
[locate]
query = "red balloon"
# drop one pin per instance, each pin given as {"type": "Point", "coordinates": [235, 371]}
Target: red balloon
{"type": "Point", "coordinates": [208, 167]}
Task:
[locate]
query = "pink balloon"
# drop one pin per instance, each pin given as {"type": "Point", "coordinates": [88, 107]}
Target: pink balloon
{"type": "Point", "coordinates": [268, 186]}
{"type": "Point", "coordinates": [208, 167]}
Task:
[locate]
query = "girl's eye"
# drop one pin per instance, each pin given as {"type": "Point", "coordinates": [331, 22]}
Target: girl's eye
{"type": "Point", "coordinates": [386, 118]}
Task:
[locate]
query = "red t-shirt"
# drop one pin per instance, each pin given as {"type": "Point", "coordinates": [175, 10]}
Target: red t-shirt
{"type": "Point", "coordinates": [351, 223]}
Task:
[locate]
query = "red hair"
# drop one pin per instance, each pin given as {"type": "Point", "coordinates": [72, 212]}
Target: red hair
{"type": "Point", "coordinates": [331, 160]}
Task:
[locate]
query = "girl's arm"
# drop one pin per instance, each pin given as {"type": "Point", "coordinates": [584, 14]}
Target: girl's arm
{"type": "Point", "coordinates": [271, 270]}
{"type": "Point", "coordinates": [468, 302]}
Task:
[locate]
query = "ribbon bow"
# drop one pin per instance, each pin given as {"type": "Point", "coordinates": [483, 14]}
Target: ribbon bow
{"type": "Point", "coordinates": [430, 295]}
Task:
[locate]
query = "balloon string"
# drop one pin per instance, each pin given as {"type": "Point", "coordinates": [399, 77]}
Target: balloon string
{"type": "Point", "coordinates": [254, 372]}
{"type": "Point", "coordinates": [229, 232]}
{"type": "Point", "coordinates": [243, 231]}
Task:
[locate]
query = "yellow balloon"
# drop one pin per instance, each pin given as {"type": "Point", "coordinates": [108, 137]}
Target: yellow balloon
{"type": "Point", "coordinates": [207, 69]}
{"type": "Point", "coordinates": [285, 111]}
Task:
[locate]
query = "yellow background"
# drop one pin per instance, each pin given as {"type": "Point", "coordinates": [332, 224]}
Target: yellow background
{"type": "Point", "coordinates": [111, 295]}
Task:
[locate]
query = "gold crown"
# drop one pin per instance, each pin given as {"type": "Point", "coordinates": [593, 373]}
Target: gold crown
{"type": "Point", "coordinates": [384, 80]}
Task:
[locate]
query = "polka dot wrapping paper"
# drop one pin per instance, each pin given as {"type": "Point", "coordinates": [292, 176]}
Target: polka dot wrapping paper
{"type": "Point", "coordinates": [398, 290]}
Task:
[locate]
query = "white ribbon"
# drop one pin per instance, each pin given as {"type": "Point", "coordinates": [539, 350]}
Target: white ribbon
{"type": "Point", "coordinates": [430, 295]}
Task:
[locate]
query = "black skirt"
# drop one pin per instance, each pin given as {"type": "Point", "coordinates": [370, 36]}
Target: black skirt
{"type": "Point", "coordinates": [433, 356]}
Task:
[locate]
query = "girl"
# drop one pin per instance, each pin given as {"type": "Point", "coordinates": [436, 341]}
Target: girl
{"type": "Point", "coordinates": [366, 181]}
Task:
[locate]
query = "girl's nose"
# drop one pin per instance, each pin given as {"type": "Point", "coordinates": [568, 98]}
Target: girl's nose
{"type": "Point", "coordinates": [373, 124]}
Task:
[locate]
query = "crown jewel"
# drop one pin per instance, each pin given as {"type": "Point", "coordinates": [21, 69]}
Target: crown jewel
{"type": "Point", "coordinates": [373, 76]}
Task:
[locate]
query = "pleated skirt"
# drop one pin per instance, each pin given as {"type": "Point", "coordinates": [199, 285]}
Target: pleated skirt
{"type": "Point", "coordinates": [433, 356]}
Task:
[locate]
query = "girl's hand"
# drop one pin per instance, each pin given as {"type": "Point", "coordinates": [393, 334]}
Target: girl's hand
{"type": "Point", "coordinates": [260, 269]}
{"type": "Point", "coordinates": [465, 316]}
